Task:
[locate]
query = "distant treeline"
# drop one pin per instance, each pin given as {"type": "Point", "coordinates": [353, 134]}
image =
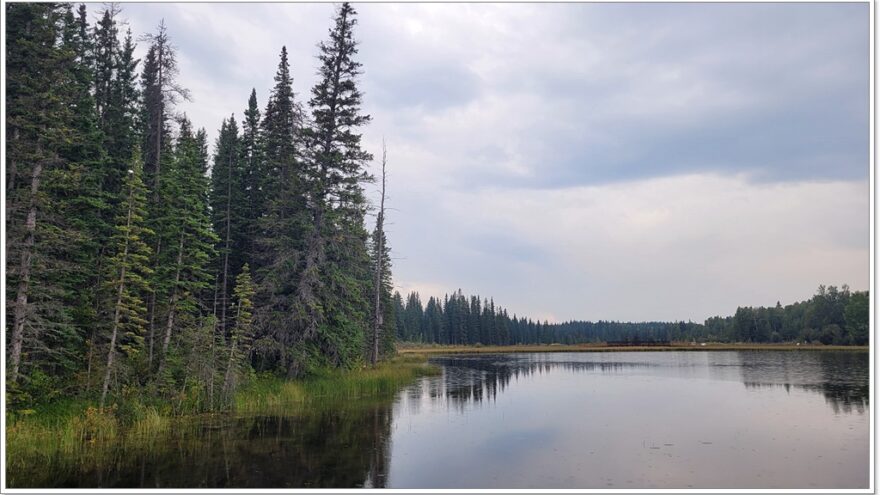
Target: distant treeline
{"type": "Point", "coordinates": [832, 316]}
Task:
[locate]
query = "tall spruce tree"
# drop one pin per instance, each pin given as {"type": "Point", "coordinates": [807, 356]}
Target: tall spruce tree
{"type": "Point", "coordinates": [86, 205]}
{"type": "Point", "coordinates": [228, 211]}
{"type": "Point", "coordinates": [251, 148]}
{"type": "Point", "coordinates": [281, 227]}
{"type": "Point", "coordinates": [188, 235]}
{"type": "Point", "coordinates": [160, 93]}
{"type": "Point", "coordinates": [335, 284]}
{"type": "Point", "coordinates": [106, 56]}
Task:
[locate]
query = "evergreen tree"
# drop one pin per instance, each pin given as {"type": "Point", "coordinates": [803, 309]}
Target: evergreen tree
{"type": "Point", "coordinates": [81, 197]}
{"type": "Point", "coordinates": [128, 269]}
{"type": "Point", "coordinates": [44, 86]}
{"type": "Point", "coordinates": [228, 211]}
{"type": "Point", "coordinates": [337, 272]}
{"type": "Point", "coordinates": [242, 332]}
{"type": "Point", "coordinates": [160, 92]}
{"type": "Point", "coordinates": [283, 303]}
{"type": "Point", "coordinates": [188, 233]}
{"type": "Point", "coordinates": [119, 113]}
{"type": "Point", "coordinates": [106, 57]}
{"type": "Point", "coordinates": [251, 182]}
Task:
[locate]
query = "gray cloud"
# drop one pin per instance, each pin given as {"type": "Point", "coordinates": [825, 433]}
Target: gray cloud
{"type": "Point", "coordinates": [622, 161]}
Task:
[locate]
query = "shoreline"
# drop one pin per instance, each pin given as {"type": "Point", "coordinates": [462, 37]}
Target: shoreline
{"type": "Point", "coordinates": [437, 350]}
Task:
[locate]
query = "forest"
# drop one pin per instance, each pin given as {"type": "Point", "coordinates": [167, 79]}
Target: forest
{"type": "Point", "coordinates": [831, 316]}
{"type": "Point", "coordinates": [138, 263]}
{"type": "Point", "coordinates": [143, 263]}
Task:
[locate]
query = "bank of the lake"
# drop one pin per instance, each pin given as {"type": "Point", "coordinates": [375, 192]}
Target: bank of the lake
{"type": "Point", "coordinates": [75, 434]}
{"type": "Point", "coordinates": [418, 349]}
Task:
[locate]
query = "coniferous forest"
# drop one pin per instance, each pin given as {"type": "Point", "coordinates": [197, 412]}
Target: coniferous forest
{"type": "Point", "coordinates": [831, 316]}
{"type": "Point", "coordinates": [144, 261]}
{"type": "Point", "coordinates": [140, 263]}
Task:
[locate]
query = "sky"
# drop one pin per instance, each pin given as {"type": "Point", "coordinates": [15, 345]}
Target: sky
{"type": "Point", "coordinates": [632, 162]}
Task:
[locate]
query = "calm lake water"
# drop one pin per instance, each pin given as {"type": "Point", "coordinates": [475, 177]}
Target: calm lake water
{"type": "Point", "coordinates": [759, 419]}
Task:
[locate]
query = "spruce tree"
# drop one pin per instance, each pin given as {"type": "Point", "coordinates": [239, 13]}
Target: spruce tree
{"type": "Point", "coordinates": [242, 332]}
{"type": "Point", "coordinates": [44, 129]}
{"type": "Point", "coordinates": [106, 56]}
{"type": "Point", "coordinates": [281, 229]}
{"type": "Point", "coordinates": [119, 113]}
{"type": "Point", "coordinates": [252, 163]}
{"type": "Point", "coordinates": [128, 271]}
{"type": "Point", "coordinates": [187, 233]}
{"type": "Point", "coordinates": [160, 93]}
{"type": "Point", "coordinates": [335, 281]}
{"type": "Point", "coordinates": [228, 211]}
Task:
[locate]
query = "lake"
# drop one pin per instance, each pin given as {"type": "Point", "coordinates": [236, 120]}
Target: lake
{"type": "Point", "coordinates": [719, 419]}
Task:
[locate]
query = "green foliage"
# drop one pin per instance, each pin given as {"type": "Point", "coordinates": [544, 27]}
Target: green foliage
{"type": "Point", "coordinates": [833, 316]}
{"type": "Point", "coordinates": [856, 317]}
{"type": "Point", "coordinates": [134, 276]}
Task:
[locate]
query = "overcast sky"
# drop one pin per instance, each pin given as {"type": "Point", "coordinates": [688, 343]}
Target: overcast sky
{"type": "Point", "coordinates": [586, 161]}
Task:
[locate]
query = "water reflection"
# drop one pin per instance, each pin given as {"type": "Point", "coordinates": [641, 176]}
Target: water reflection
{"type": "Point", "coordinates": [841, 377]}
{"type": "Point", "coordinates": [333, 448]}
{"type": "Point", "coordinates": [471, 379]}
{"type": "Point", "coordinates": [555, 420]}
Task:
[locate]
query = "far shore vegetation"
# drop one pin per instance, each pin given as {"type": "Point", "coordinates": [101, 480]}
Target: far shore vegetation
{"type": "Point", "coordinates": [435, 349]}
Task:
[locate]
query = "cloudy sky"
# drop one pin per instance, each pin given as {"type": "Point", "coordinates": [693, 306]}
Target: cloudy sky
{"type": "Point", "coordinates": [587, 161]}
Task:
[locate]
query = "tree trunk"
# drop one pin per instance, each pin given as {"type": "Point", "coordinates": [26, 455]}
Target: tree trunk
{"type": "Point", "coordinates": [377, 316]}
{"type": "Point", "coordinates": [231, 361]}
{"type": "Point", "coordinates": [21, 299]}
{"type": "Point", "coordinates": [117, 312]}
{"type": "Point", "coordinates": [116, 316]}
{"type": "Point", "coordinates": [173, 302]}
{"type": "Point", "coordinates": [223, 298]}
{"type": "Point", "coordinates": [152, 307]}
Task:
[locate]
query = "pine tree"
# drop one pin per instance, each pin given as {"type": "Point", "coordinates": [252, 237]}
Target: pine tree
{"type": "Point", "coordinates": [128, 270]}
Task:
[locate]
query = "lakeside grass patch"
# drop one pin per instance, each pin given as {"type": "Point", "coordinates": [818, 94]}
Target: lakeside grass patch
{"type": "Point", "coordinates": [273, 395]}
{"type": "Point", "coordinates": [75, 435]}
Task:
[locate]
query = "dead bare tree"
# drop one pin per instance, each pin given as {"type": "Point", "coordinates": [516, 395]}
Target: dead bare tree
{"type": "Point", "coordinates": [380, 238]}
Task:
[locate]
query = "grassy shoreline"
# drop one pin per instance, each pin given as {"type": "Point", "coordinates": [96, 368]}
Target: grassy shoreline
{"type": "Point", "coordinates": [438, 349]}
{"type": "Point", "coordinates": [76, 433]}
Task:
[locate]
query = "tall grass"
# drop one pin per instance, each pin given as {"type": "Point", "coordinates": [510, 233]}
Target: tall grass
{"type": "Point", "coordinates": [74, 435]}
{"type": "Point", "coordinates": [329, 388]}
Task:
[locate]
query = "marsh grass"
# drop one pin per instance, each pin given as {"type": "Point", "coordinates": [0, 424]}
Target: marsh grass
{"type": "Point", "coordinates": [330, 388]}
{"type": "Point", "coordinates": [42, 445]}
